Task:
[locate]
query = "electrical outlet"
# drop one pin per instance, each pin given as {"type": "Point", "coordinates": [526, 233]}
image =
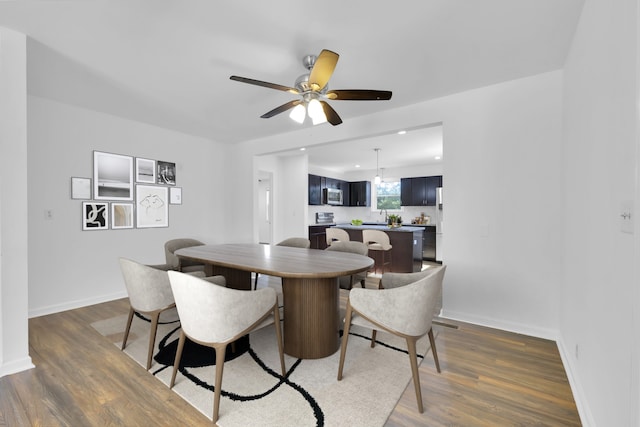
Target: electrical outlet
{"type": "Point", "coordinates": [626, 216]}
{"type": "Point", "coordinates": [48, 214]}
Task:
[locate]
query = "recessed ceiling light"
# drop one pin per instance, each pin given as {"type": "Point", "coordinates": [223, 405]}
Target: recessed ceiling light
{"type": "Point", "coordinates": [437, 157]}
{"type": "Point", "coordinates": [302, 149]}
{"type": "Point", "coordinates": [402, 132]}
{"type": "Point", "coordinates": [357, 166]}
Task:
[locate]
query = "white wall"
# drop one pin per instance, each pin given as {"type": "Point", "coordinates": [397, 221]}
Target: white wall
{"type": "Point", "coordinates": [70, 267]}
{"type": "Point", "coordinates": [504, 196]}
{"type": "Point", "coordinates": [14, 337]}
{"type": "Point", "coordinates": [599, 295]}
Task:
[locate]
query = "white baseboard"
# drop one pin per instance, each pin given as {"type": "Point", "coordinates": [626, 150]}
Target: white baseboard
{"type": "Point", "coordinates": [518, 328]}
{"type": "Point", "coordinates": [576, 387]}
{"type": "Point", "coordinates": [16, 366]}
{"type": "Point", "coordinates": [43, 311]}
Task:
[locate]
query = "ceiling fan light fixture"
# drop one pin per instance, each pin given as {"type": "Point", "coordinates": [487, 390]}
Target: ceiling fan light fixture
{"type": "Point", "coordinates": [315, 111]}
{"type": "Point", "coordinates": [298, 113]}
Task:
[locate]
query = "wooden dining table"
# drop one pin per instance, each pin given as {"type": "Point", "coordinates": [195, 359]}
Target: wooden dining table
{"type": "Point", "coordinates": [310, 288]}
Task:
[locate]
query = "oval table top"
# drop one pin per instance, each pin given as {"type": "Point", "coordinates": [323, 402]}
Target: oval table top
{"type": "Point", "coordinates": [281, 261]}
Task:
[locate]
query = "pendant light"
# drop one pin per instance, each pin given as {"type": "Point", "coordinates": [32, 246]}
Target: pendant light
{"type": "Point", "coordinates": [376, 180]}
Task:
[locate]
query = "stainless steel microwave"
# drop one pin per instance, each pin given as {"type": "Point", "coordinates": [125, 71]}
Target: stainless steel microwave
{"type": "Point", "coordinates": [332, 196]}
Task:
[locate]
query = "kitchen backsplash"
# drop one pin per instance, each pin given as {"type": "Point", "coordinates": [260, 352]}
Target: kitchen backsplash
{"type": "Point", "coordinates": [346, 214]}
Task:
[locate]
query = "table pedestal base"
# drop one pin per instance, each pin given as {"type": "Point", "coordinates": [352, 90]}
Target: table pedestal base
{"type": "Point", "coordinates": [311, 317]}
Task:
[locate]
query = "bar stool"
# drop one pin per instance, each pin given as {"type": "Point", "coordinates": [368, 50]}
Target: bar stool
{"type": "Point", "coordinates": [336, 234]}
{"type": "Point", "coordinates": [379, 248]}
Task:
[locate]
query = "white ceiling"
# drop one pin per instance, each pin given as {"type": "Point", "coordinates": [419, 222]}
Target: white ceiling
{"type": "Point", "coordinates": [168, 62]}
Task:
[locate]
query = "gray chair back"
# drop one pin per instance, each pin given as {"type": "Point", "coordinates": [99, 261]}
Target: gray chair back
{"type": "Point", "coordinates": [172, 260]}
{"type": "Point", "coordinates": [296, 242]}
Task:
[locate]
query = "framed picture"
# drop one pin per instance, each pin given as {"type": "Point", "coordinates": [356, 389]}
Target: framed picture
{"type": "Point", "coordinates": [152, 206]}
{"type": "Point", "coordinates": [175, 195]}
{"type": "Point", "coordinates": [112, 176]}
{"type": "Point", "coordinates": [145, 170]}
{"type": "Point", "coordinates": [80, 188]}
{"type": "Point", "coordinates": [121, 215]}
{"type": "Point", "coordinates": [95, 216]}
{"type": "Point", "coordinates": [166, 173]}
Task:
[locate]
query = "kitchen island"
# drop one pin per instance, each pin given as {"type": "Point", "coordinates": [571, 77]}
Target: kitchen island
{"type": "Point", "coordinates": [406, 242]}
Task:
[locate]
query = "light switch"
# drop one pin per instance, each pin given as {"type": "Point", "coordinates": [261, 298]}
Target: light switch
{"type": "Point", "coordinates": [626, 216]}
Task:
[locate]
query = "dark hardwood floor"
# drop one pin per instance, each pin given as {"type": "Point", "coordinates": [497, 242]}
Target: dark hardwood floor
{"type": "Point", "coordinates": [489, 378]}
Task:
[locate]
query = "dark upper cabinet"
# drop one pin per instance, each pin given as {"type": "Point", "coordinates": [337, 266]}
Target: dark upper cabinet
{"type": "Point", "coordinates": [433, 182]}
{"type": "Point", "coordinates": [315, 189]}
{"type": "Point", "coordinates": [360, 193]}
{"type": "Point", "coordinates": [405, 191]}
{"type": "Point", "coordinates": [419, 191]}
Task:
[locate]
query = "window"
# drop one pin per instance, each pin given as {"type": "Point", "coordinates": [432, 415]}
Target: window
{"type": "Point", "coordinates": [387, 195]}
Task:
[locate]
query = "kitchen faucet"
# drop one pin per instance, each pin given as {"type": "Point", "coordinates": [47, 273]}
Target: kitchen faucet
{"type": "Point", "coordinates": [386, 214]}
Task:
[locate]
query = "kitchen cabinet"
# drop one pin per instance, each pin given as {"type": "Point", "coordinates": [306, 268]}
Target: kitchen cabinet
{"type": "Point", "coordinates": [316, 184]}
{"type": "Point", "coordinates": [318, 236]}
{"type": "Point", "coordinates": [419, 191]}
{"type": "Point", "coordinates": [360, 193]}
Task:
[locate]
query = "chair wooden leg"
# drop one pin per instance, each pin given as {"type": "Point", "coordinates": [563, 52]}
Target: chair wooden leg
{"type": "Point", "coordinates": [255, 283]}
{"type": "Point", "coordinates": [345, 339]}
{"type": "Point", "coordinates": [152, 336]}
{"type": "Point", "coordinates": [413, 359]}
{"type": "Point", "coordinates": [220, 352]}
{"type": "Point", "coordinates": [432, 341]}
{"type": "Point", "coordinates": [373, 338]}
{"type": "Point", "coordinates": [128, 328]}
{"type": "Point", "coordinates": [276, 314]}
{"type": "Point", "coordinates": [176, 362]}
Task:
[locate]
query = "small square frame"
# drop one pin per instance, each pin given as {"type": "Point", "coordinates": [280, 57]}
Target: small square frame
{"type": "Point", "coordinates": [95, 216]}
{"type": "Point", "coordinates": [175, 195]}
{"type": "Point", "coordinates": [166, 173]}
{"type": "Point", "coordinates": [121, 215]}
{"type": "Point", "coordinates": [145, 170]}
{"type": "Point", "coordinates": [80, 188]}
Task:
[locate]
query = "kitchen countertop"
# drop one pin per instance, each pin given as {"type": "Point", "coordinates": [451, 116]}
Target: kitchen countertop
{"type": "Point", "coordinates": [383, 227]}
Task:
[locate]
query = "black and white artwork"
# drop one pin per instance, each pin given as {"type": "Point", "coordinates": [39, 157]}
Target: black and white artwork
{"type": "Point", "coordinates": [95, 216]}
{"type": "Point", "coordinates": [112, 176]}
{"type": "Point", "coordinates": [166, 173]}
{"type": "Point", "coordinates": [152, 206]}
{"type": "Point", "coordinates": [145, 170]}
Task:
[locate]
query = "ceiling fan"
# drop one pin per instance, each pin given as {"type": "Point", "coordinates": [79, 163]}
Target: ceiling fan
{"type": "Point", "coordinates": [313, 89]}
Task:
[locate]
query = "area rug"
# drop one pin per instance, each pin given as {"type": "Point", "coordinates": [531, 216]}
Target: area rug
{"type": "Point", "coordinates": [254, 393]}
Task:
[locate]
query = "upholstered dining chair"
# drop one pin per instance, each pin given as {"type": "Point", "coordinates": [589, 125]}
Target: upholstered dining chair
{"type": "Point", "coordinates": [176, 263]}
{"type": "Point", "coordinates": [406, 311]}
{"type": "Point", "coordinates": [215, 316]}
{"type": "Point", "coordinates": [379, 246]}
{"type": "Point", "coordinates": [336, 234]}
{"type": "Point", "coordinates": [347, 282]}
{"type": "Point", "coordinates": [149, 293]}
{"type": "Point", "coordinates": [292, 242]}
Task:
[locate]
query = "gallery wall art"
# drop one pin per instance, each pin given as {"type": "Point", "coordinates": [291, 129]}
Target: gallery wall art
{"type": "Point", "coordinates": [126, 192]}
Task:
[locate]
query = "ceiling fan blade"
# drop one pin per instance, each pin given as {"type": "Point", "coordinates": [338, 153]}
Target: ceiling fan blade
{"type": "Point", "coordinates": [282, 108]}
{"type": "Point", "coordinates": [332, 116]}
{"type": "Point", "coordinates": [265, 84]}
{"type": "Point", "coordinates": [323, 69]}
{"type": "Point", "coordinates": [359, 95]}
